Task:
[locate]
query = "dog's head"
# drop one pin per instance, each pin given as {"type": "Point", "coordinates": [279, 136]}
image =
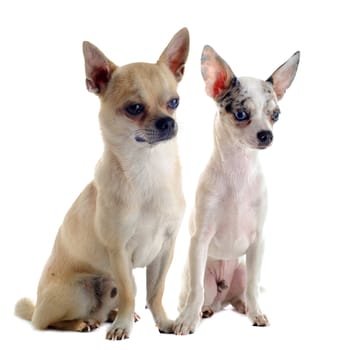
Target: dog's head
{"type": "Point", "coordinates": [248, 107]}
{"type": "Point", "coordinates": [138, 100]}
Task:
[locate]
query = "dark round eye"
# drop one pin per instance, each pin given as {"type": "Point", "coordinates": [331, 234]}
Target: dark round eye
{"type": "Point", "coordinates": [241, 115]}
{"type": "Point", "coordinates": [135, 109]}
{"type": "Point", "coordinates": [173, 103]}
{"type": "Point", "coordinates": [275, 116]}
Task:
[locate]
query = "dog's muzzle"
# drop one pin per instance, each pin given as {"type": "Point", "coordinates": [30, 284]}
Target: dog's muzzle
{"type": "Point", "coordinates": [265, 138]}
{"type": "Point", "coordinates": [164, 128]}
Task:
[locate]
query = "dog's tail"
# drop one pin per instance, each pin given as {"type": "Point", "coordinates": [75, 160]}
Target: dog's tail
{"type": "Point", "coordinates": [25, 309]}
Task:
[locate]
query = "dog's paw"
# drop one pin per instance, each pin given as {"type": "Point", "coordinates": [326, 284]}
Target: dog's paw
{"type": "Point", "coordinates": [207, 312]}
{"type": "Point", "coordinates": [119, 330]}
{"type": "Point", "coordinates": [240, 306]}
{"type": "Point", "coordinates": [260, 320]}
{"type": "Point", "coordinates": [117, 334]}
{"type": "Point", "coordinates": [186, 323]}
{"type": "Point", "coordinates": [88, 326]}
{"type": "Point", "coordinates": [166, 327]}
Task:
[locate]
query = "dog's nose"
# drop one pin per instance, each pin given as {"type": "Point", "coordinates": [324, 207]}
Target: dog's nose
{"type": "Point", "coordinates": [265, 137]}
{"type": "Point", "coordinates": [165, 123]}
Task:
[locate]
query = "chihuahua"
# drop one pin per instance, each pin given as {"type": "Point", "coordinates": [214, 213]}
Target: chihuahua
{"type": "Point", "coordinates": [226, 247]}
{"type": "Point", "coordinates": [129, 215]}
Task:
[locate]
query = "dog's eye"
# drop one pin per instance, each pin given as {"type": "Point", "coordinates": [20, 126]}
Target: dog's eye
{"type": "Point", "coordinates": [275, 116]}
{"type": "Point", "coordinates": [241, 115]}
{"type": "Point", "coordinates": [173, 103]}
{"type": "Point", "coordinates": [135, 109]}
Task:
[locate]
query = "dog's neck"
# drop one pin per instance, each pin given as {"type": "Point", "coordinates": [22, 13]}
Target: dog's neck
{"type": "Point", "coordinates": [238, 164]}
{"type": "Point", "coordinates": [231, 152]}
{"type": "Point", "coordinates": [141, 166]}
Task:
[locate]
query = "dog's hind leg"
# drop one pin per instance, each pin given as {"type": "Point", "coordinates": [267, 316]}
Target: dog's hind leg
{"type": "Point", "coordinates": [77, 305]}
{"type": "Point", "coordinates": [75, 325]}
{"type": "Point", "coordinates": [237, 289]}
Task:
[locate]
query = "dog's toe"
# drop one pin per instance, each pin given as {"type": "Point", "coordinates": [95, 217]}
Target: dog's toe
{"type": "Point", "coordinates": [260, 321]}
{"type": "Point", "coordinates": [117, 334]}
{"type": "Point", "coordinates": [207, 312]}
{"type": "Point", "coordinates": [240, 306]}
{"type": "Point", "coordinates": [186, 324]}
{"type": "Point", "coordinates": [88, 326]}
{"type": "Point", "coordinates": [137, 317]}
{"type": "Point", "coordinates": [165, 327]}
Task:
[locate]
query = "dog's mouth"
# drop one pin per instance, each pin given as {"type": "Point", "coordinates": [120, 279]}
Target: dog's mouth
{"type": "Point", "coordinates": [263, 146]}
{"type": "Point", "coordinates": [257, 146]}
{"type": "Point", "coordinates": [153, 137]}
{"type": "Point", "coordinates": [163, 129]}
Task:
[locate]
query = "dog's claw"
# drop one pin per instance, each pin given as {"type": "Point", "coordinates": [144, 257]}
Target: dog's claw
{"type": "Point", "coordinates": [117, 334]}
{"type": "Point", "coordinates": [89, 326]}
{"type": "Point", "coordinates": [119, 330]}
{"type": "Point", "coordinates": [136, 317]}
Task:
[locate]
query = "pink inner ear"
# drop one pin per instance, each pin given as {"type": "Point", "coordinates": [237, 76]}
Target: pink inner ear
{"type": "Point", "coordinates": [100, 77]}
{"type": "Point", "coordinates": [174, 65]}
{"type": "Point", "coordinates": [219, 83]}
{"type": "Point", "coordinates": [176, 60]}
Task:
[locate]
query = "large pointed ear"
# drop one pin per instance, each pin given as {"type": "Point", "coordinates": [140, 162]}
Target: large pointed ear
{"type": "Point", "coordinates": [98, 68]}
{"type": "Point", "coordinates": [283, 76]}
{"type": "Point", "coordinates": [175, 54]}
{"type": "Point", "coordinates": [217, 74]}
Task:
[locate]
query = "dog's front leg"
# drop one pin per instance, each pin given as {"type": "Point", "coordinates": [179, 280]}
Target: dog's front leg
{"type": "Point", "coordinates": [254, 260]}
{"type": "Point", "coordinates": [189, 317]}
{"type": "Point", "coordinates": [156, 275]}
{"type": "Point", "coordinates": [122, 273]}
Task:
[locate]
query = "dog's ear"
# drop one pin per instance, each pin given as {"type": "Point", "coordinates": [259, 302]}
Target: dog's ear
{"type": "Point", "coordinates": [216, 73]}
{"type": "Point", "coordinates": [283, 76]}
{"type": "Point", "coordinates": [98, 68]}
{"type": "Point", "coordinates": [175, 54]}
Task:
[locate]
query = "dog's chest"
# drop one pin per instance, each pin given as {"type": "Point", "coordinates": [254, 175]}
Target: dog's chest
{"type": "Point", "coordinates": [239, 217]}
{"type": "Point", "coordinates": [159, 211]}
{"type": "Point", "coordinates": [156, 224]}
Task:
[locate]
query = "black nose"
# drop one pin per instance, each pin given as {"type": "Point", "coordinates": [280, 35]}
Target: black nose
{"type": "Point", "coordinates": [265, 137]}
{"type": "Point", "coordinates": [165, 123]}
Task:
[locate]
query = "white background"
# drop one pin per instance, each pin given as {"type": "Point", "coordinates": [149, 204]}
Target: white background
{"type": "Point", "coordinates": [50, 142]}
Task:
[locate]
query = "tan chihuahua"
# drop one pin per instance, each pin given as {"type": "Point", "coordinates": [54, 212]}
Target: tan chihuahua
{"type": "Point", "coordinates": [231, 202]}
{"type": "Point", "coordinates": [129, 215]}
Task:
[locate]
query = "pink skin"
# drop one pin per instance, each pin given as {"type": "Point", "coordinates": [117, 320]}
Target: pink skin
{"type": "Point", "coordinates": [224, 283]}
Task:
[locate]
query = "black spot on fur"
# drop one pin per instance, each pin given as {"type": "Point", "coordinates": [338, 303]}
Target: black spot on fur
{"type": "Point", "coordinates": [222, 285]}
{"type": "Point", "coordinates": [113, 292]}
{"type": "Point", "coordinates": [112, 316]}
{"type": "Point", "coordinates": [235, 84]}
{"type": "Point", "coordinates": [97, 284]}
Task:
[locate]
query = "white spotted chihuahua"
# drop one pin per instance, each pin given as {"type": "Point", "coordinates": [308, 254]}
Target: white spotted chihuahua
{"type": "Point", "coordinates": [231, 200]}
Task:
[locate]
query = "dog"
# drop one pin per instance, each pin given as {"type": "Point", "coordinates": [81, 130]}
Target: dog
{"type": "Point", "coordinates": [226, 246]}
{"type": "Point", "coordinates": [129, 215]}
